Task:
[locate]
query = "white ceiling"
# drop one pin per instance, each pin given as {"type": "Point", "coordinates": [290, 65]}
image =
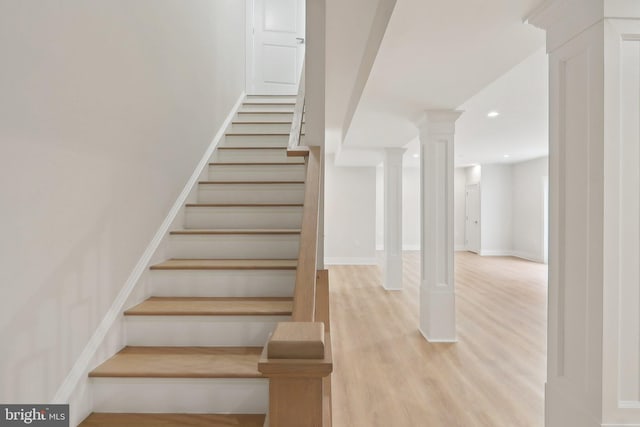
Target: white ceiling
{"type": "Point", "coordinates": [439, 54]}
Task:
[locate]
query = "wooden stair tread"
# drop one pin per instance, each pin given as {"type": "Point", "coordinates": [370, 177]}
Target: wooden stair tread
{"type": "Point", "coordinates": [227, 264]}
{"type": "Point", "coordinates": [200, 306]}
{"type": "Point", "coordinates": [172, 420]}
{"type": "Point", "coordinates": [258, 133]}
{"type": "Point", "coordinates": [262, 122]}
{"type": "Point", "coordinates": [249, 182]}
{"type": "Point", "coordinates": [269, 103]}
{"type": "Point", "coordinates": [196, 232]}
{"type": "Point", "coordinates": [255, 164]}
{"type": "Point", "coordinates": [252, 148]}
{"type": "Point", "coordinates": [181, 362]}
{"type": "Point", "coordinates": [265, 112]}
{"type": "Point", "coordinates": [243, 205]}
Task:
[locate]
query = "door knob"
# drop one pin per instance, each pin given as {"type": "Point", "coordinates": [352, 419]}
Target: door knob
{"type": "Point", "coordinates": [300, 40]}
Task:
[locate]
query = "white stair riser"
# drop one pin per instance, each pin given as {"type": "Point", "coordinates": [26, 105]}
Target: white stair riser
{"type": "Point", "coordinates": [251, 193]}
{"type": "Point", "coordinates": [271, 98]}
{"type": "Point", "coordinates": [201, 331]}
{"type": "Point", "coordinates": [253, 156]}
{"type": "Point", "coordinates": [266, 106]}
{"type": "Point", "coordinates": [264, 117]}
{"type": "Point", "coordinates": [186, 396]}
{"type": "Point", "coordinates": [256, 140]}
{"type": "Point", "coordinates": [237, 246]}
{"type": "Point", "coordinates": [257, 172]}
{"type": "Point", "coordinates": [223, 283]}
{"type": "Point", "coordinates": [243, 217]}
{"type": "Point", "coordinates": [261, 127]}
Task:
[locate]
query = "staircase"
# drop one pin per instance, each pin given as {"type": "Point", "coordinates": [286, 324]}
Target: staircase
{"type": "Point", "coordinates": [193, 347]}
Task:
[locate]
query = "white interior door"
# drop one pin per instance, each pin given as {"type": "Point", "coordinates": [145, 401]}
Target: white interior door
{"type": "Point", "coordinates": [472, 224]}
{"type": "Point", "coordinates": [276, 49]}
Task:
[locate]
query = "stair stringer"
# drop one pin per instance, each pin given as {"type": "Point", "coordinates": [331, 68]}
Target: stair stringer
{"type": "Point", "coordinates": [109, 337]}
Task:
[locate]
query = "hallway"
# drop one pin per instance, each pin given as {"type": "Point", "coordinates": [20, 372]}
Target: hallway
{"type": "Point", "coordinates": [386, 374]}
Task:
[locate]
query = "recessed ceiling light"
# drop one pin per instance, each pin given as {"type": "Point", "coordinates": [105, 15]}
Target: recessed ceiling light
{"type": "Point", "coordinates": [493, 114]}
{"type": "Point", "coordinates": [415, 156]}
{"type": "Point", "coordinates": [506, 156]}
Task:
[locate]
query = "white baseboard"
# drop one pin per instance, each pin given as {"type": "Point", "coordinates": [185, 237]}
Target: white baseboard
{"type": "Point", "coordinates": [495, 253]}
{"type": "Point", "coordinates": [527, 256]}
{"type": "Point", "coordinates": [460, 248]}
{"type": "Point", "coordinates": [380, 248]}
{"type": "Point", "coordinates": [82, 365]}
{"type": "Point", "coordinates": [434, 341]}
{"type": "Point", "coordinates": [349, 261]}
{"type": "Point", "coordinates": [411, 247]}
{"type": "Point", "coordinates": [621, 425]}
{"type": "Point", "coordinates": [517, 254]}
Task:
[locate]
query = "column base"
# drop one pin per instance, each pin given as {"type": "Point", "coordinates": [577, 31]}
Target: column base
{"type": "Point", "coordinates": [437, 315]}
{"type": "Point", "coordinates": [392, 272]}
{"type": "Point", "coordinates": [563, 411]}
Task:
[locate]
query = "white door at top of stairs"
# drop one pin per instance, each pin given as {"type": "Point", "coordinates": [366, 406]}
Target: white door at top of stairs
{"type": "Point", "coordinates": [275, 50]}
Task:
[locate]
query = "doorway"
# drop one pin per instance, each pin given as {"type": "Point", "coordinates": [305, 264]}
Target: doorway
{"type": "Point", "coordinates": [472, 218]}
{"type": "Point", "coordinates": [275, 46]}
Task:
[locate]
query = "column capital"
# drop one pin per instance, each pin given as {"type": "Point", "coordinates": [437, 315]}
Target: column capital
{"type": "Point", "coordinates": [395, 153]}
{"type": "Point", "coordinates": [438, 122]}
{"type": "Point", "coordinates": [564, 19]}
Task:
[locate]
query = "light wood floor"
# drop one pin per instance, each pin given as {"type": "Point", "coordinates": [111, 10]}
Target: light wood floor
{"type": "Point", "coordinates": [388, 375]}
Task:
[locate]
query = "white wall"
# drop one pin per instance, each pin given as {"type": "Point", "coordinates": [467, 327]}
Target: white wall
{"type": "Point", "coordinates": [106, 108]}
{"type": "Point", "coordinates": [350, 214]}
{"type": "Point", "coordinates": [460, 200]}
{"type": "Point", "coordinates": [410, 208]}
{"type": "Point", "coordinates": [528, 180]}
{"type": "Point", "coordinates": [495, 210]}
{"type": "Point", "coordinates": [380, 208]}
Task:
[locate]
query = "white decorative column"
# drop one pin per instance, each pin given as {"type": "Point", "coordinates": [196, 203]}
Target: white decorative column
{"type": "Point", "coordinates": [437, 287]}
{"type": "Point", "coordinates": [393, 218]}
{"type": "Point", "coordinates": [593, 376]}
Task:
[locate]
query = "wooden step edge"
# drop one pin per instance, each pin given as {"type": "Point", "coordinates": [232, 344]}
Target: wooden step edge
{"type": "Point", "coordinates": [244, 205]}
{"type": "Point", "coordinates": [257, 134]}
{"type": "Point", "coordinates": [264, 112]}
{"type": "Point", "coordinates": [293, 103]}
{"type": "Point", "coordinates": [213, 307]}
{"type": "Point", "coordinates": [234, 232]}
{"type": "Point", "coordinates": [255, 164]}
{"type": "Point", "coordinates": [250, 182]}
{"type": "Point", "coordinates": [230, 264]}
{"type": "Point", "coordinates": [98, 419]}
{"type": "Point", "coordinates": [207, 313]}
{"type": "Point", "coordinates": [262, 123]}
{"type": "Point", "coordinates": [252, 148]}
{"type": "Point", "coordinates": [180, 362]}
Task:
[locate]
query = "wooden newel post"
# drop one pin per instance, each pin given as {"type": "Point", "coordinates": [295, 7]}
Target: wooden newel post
{"type": "Point", "coordinates": [296, 360]}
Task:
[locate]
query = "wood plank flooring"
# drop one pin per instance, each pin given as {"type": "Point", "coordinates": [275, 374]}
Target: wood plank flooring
{"type": "Point", "coordinates": [386, 374]}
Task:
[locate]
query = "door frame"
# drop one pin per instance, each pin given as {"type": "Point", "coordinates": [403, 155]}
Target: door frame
{"type": "Point", "coordinates": [466, 219]}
